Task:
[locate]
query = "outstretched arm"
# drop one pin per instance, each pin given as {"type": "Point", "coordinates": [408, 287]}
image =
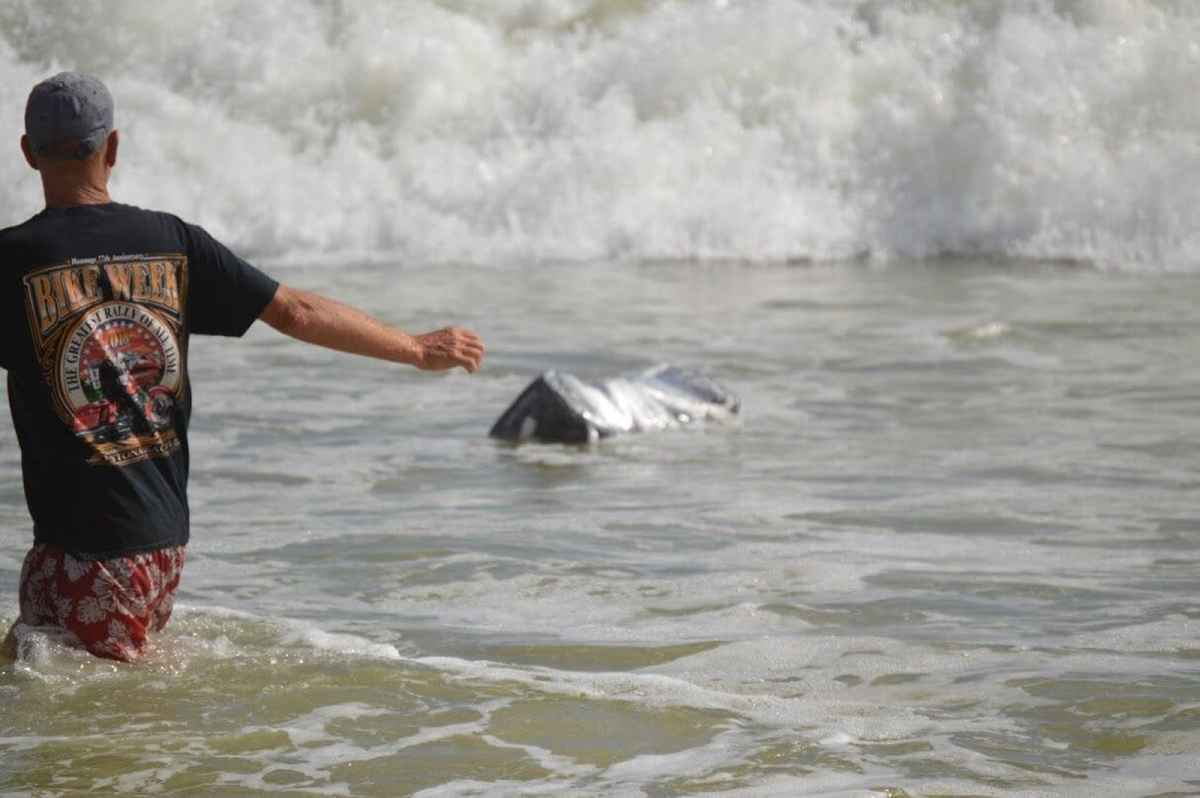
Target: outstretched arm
{"type": "Point", "coordinates": [326, 322]}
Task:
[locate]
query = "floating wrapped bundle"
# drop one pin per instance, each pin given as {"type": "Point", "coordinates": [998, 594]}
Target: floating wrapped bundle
{"type": "Point", "coordinates": [561, 408]}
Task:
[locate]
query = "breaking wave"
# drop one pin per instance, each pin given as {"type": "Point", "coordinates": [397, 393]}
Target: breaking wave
{"type": "Point", "coordinates": [516, 130]}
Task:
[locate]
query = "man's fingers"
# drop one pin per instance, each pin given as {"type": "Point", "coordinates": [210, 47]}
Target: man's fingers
{"type": "Point", "coordinates": [471, 357]}
{"type": "Point", "coordinates": [470, 349]}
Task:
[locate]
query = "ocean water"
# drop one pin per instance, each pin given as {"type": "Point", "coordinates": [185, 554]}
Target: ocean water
{"type": "Point", "coordinates": [945, 252]}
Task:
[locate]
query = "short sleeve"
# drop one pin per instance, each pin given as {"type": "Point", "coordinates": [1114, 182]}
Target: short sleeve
{"type": "Point", "coordinates": [225, 293]}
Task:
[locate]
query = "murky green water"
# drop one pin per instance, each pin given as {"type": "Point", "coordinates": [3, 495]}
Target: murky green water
{"type": "Point", "coordinates": [950, 549]}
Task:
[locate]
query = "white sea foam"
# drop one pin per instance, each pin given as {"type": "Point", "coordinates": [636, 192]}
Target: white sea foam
{"type": "Point", "coordinates": [276, 631]}
{"type": "Point", "coordinates": [340, 643]}
{"type": "Point", "coordinates": [596, 128]}
{"type": "Point", "coordinates": [691, 684]}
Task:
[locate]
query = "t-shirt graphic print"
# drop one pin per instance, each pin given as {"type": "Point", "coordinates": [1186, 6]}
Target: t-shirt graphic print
{"type": "Point", "coordinates": [108, 335]}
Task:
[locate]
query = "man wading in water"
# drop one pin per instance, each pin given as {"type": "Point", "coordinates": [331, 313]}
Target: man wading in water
{"type": "Point", "coordinates": [97, 301]}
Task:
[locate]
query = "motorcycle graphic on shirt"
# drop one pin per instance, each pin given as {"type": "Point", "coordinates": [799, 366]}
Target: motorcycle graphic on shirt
{"type": "Point", "coordinates": [109, 331]}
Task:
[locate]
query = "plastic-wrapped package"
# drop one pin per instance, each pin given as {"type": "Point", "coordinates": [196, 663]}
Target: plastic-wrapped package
{"type": "Point", "coordinates": [561, 408]}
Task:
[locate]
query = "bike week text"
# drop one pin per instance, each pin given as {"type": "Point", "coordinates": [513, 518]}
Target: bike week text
{"type": "Point", "coordinates": [59, 293]}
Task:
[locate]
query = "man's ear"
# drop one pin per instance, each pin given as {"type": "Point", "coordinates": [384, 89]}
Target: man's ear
{"type": "Point", "coordinates": [110, 149]}
{"type": "Point", "coordinates": [30, 158]}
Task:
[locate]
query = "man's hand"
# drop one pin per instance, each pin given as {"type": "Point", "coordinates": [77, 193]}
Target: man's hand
{"type": "Point", "coordinates": [449, 347]}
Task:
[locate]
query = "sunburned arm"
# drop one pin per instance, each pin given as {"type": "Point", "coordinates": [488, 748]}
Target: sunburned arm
{"type": "Point", "coordinates": [326, 322]}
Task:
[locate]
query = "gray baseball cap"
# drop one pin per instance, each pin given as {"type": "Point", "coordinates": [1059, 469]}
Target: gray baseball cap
{"type": "Point", "coordinates": [68, 116]}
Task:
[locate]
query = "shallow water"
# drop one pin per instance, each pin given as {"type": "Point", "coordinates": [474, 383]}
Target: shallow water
{"type": "Point", "coordinates": [949, 549]}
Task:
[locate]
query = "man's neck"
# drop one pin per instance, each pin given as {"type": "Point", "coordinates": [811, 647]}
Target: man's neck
{"type": "Point", "coordinates": [71, 196]}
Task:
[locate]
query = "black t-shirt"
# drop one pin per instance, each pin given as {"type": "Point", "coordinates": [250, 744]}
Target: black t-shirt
{"type": "Point", "coordinates": [96, 306]}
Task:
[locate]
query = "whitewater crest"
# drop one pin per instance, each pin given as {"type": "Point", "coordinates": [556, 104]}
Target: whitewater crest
{"type": "Point", "coordinates": [465, 130]}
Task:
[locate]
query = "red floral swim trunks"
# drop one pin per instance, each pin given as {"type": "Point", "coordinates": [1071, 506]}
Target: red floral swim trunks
{"type": "Point", "coordinates": [110, 605]}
